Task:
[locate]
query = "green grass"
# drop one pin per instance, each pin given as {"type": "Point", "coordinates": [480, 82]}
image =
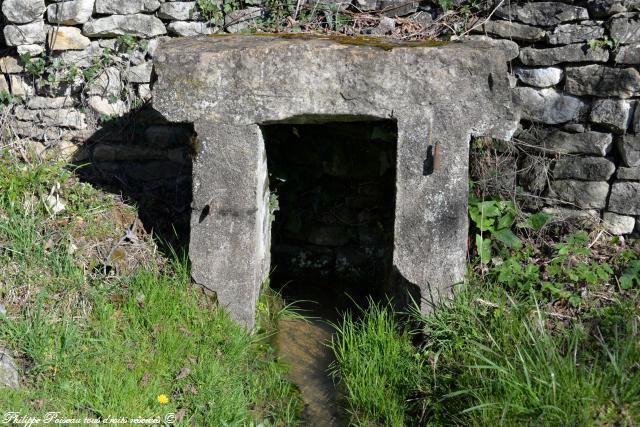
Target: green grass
{"type": "Point", "coordinates": [97, 342]}
{"type": "Point", "coordinates": [494, 356]}
{"type": "Point", "coordinates": [376, 367]}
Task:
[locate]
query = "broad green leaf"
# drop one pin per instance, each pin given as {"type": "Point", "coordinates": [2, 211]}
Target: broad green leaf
{"type": "Point", "coordinates": [483, 247]}
{"type": "Point", "coordinates": [506, 220]}
{"type": "Point", "coordinates": [489, 209]}
{"type": "Point", "coordinates": [538, 220]}
{"type": "Point", "coordinates": [509, 239]}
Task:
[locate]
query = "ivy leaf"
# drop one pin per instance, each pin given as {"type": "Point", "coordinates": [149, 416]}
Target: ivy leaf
{"type": "Point", "coordinates": [509, 239]}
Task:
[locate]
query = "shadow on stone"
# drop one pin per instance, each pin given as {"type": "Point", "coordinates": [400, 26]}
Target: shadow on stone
{"type": "Point", "coordinates": [148, 161]}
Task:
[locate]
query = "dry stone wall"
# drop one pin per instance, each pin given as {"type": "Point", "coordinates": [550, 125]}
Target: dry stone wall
{"type": "Point", "coordinates": [82, 70]}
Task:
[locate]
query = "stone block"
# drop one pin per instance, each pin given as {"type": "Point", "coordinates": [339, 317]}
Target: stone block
{"type": "Point", "coordinates": [33, 33]}
{"type": "Point", "coordinates": [628, 174]}
{"type": "Point", "coordinates": [72, 12]}
{"type": "Point", "coordinates": [105, 107]}
{"type": "Point", "coordinates": [10, 65]}
{"type": "Point", "coordinates": [22, 11]}
{"type": "Point", "coordinates": [549, 106]}
{"type": "Point", "coordinates": [562, 54]}
{"type": "Point", "coordinates": [594, 143]}
{"type": "Point", "coordinates": [584, 218]}
{"type": "Point", "coordinates": [625, 198]}
{"type": "Point", "coordinates": [576, 33]}
{"type": "Point", "coordinates": [188, 29]}
{"type": "Point", "coordinates": [618, 224]}
{"type": "Point", "coordinates": [613, 114]}
{"type": "Point", "coordinates": [43, 103]}
{"type": "Point", "coordinates": [138, 25]}
{"type": "Point", "coordinates": [20, 87]}
{"type": "Point", "coordinates": [514, 31]}
{"type": "Point", "coordinates": [584, 168]}
{"type": "Point", "coordinates": [107, 83]}
{"type": "Point", "coordinates": [629, 148]}
{"type": "Point", "coordinates": [125, 7]}
{"type": "Point", "coordinates": [583, 194]}
{"type": "Point", "coordinates": [179, 11]}
{"type": "Point", "coordinates": [539, 77]}
{"type": "Point", "coordinates": [509, 48]}
{"type": "Point", "coordinates": [629, 54]}
{"type": "Point", "coordinates": [625, 28]}
{"type": "Point", "coordinates": [602, 81]}
{"type": "Point", "coordinates": [9, 374]}
{"type": "Point", "coordinates": [67, 38]}
{"type": "Point", "coordinates": [544, 13]}
{"type": "Point", "coordinates": [140, 73]}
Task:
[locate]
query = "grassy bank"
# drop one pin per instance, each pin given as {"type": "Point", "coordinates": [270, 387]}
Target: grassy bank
{"type": "Point", "coordinates": [539, 338]}
{"type": "Point", "coordinates": [104, 326]}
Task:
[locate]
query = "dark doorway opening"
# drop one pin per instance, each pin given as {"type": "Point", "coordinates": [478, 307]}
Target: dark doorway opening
{"type": "Point", "coordinates": [333, 197]}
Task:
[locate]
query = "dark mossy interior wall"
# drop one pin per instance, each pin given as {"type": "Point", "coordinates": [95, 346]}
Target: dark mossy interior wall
{"type": "Point", "coordinates": [335, 190]}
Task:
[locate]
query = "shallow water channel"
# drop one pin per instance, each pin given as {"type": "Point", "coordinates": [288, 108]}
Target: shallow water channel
{"type": "Point", "coordinates": [303, 346]}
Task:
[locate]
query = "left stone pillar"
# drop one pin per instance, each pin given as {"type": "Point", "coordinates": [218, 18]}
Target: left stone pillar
{"type": "Point", "coordinates": [230, 222]}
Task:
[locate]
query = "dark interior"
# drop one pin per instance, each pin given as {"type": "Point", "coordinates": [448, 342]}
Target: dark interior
{"type": "Point", "coordinates": [333, 204]}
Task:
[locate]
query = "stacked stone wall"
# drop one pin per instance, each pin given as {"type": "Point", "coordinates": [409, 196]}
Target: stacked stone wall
{"type": "Point", "coordinates": [77, 75]}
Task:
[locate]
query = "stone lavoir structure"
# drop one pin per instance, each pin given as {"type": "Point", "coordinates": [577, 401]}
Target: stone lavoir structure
{"type": "Point", "coordinates": [573, 66]}
{"type": "Point", "coordinates": [233, 90]}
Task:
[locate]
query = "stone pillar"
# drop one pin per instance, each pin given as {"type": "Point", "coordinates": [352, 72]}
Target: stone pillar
{"type": "Point", "coordinates": [431, 223]}
{"type": "Point", "coordinates": [230, 224]}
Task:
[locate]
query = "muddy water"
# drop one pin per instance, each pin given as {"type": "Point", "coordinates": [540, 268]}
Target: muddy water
{"type": "Point", "coordinates": [302, 345]}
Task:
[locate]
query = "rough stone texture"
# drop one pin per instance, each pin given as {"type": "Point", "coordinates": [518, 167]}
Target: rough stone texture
{"type": "Point", "coordinates": [618, 224]}
{"type": "Point", "coordinates": [70, 12]}
{"type": "Point", "coordinates": [509, 48]}
{"type": "Point", "coordinates": [582, 218]}
{"type": "Point", "coordinates": [625, 198]}
{"type": "Point", "coordinates": [33, 33]}
{"type": "Point", "coordinates": [583, 194]}
{"type": "Point", "coordinates": [187, 29]}
{"type": "Point", "coordinates": [31, 49]}
{"type": "Point", "coordinates": [62, 117]}
{"type": "Point", "coordinates": [67, 38]}
{"type": "Point", "coordinates": [602, 81]}
{"type": "Point", "coordinates": [10, 65]}
{"type": "Point", "coordinates": [107, 83]}
{"type": "Point", "coordinates": [43, 103]}
{"type": "Point", "coordinates": [606, 8]}
{"type": "Point", "coordinates": [548, 105]}
{"type": "Point", "coordinates": [22, 11]}
{"type": "Point", "coordinates": [625, 28]}
{"type": "Point", "coordinates": [514, 31]}
{"type": "Point", "coordinates": [539, 77]}
{"type": "Point", "coordinates": [138, 25]}
{"type": "Point", "coordinates": [9, 375]}
{"type": "Point", "coordinates": [543, 13]}
{"type": "Point", "coordinates": [20, 87]}
{"type": "Point", "coordinates": [595, 143]}
{"type": "Point", "coordinates": [613, 114]}
{"type": "Point", "coordinates": [629, 148]}
{"type": "Point", "coordinates": [227, 86]}
{"type": "Point", "coordinates": [584, 168]}
{"type": "Point", "coordinates": [140, 73]}
{"type": "Point", "coordinates": [125, 7]}
{"type": "Point", "coordinates": [103, 107]}
{"type": "Point", "coordinates": [179, 11]}
{"type": "Point", "coordinates": [631, 174]}
{"type": "Point", "coordinates": [628, 54]}
{"type": "Point", "coordinates": [576, 33]}
{"type": "Point", "coordinates": [557, 55]}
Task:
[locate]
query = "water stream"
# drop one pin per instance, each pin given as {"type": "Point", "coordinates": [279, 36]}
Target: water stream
{"type": "Point", "coordinates": [302, 345]}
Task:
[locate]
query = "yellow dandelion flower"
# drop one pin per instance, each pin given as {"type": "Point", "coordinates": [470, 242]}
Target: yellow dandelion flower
{"type": "Point", "coordinates": [163, 399]}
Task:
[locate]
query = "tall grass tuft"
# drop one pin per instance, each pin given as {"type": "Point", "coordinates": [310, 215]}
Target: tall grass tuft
{"type": "Point", "coordinates": [375, 366]}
